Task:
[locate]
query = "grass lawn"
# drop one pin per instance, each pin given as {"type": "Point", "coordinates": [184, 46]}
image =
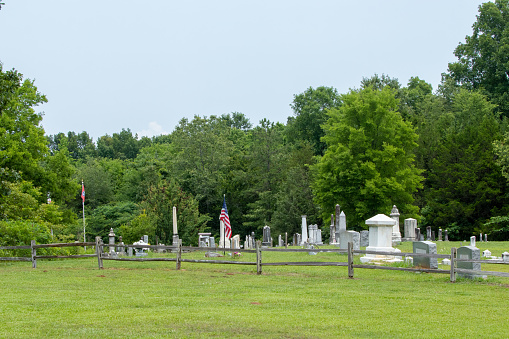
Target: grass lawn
{"type": "Point", "coordinates": [72, 298]}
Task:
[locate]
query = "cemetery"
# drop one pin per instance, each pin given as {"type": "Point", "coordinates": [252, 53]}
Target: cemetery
{"type": "Point", "coordinates": [268, 280]}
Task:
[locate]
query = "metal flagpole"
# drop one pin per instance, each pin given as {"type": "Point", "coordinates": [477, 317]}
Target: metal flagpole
{"type": "Point", "coordinates": [83, 204]}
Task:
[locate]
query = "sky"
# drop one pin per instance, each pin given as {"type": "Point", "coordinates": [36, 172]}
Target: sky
{"type": "Point", "coordinates": [144, 65]}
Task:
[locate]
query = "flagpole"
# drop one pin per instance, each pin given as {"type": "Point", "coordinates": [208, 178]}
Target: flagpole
{"type": "Point", "coordinates": [83, 204]}
{"type": "Point", "coordinates": [224, 230]}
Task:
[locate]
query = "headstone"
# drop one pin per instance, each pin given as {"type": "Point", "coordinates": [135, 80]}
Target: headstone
{"type": "Point", "coordinates": [266, 236]}
{"type": "Point", "coordinates": [130, 251]}
{"type": "Point", "coordinates": [304, 239]}
{"type": "Point", "coordinates": [280, 241]}
{"type": "Point", "coordinates": [212, 242]}
{"type": "Point", "coordinates": [417, 234]}
{"type": "Point", "coordinates": [332, 238]}
{"type": "Point", "coordinates": [469, 253]}
{"type": "Point", "coordinates": [380, 239]}
{"type": "Point", "coordinates": [485, 237]}
{"type": "Point", "coordinates": [253, 244]}
{"type": "Point", "coordinates": [318, 239]}
{"type": "Point", "coordinates": [472, 241]}
{"type": "Point", "coordinates": [295, 243]}
{"type": "Point", "coordinates": [410, 225]}
{"type": "Point", "coordinates": [480, 237]}
{"type": "Point", "coordinates": [428, 233]}
{"type": "Point", "coordinates": [505, 257]}
{"type": "Point", "coordinates": [446, 262]}
{"type": "Point", "coordinates": [312, 233]}
{"type": "Point", "coordinates": [446, 236]}
{"type": "Point", "coordinates": [425, 247]}
{"type": "Point", "coordinates": [350, 236]}
{"type": "Point", "coordinates": [336, 222]}
{"type": "Point", "coordinates": [236, 242]}
{"type": "Point", "coordinates": [204, 239]}
{"type": "Point", "coordinates": [364, 238]}
{"type": "Point", "coordinates": [439, 234]}
{"type": "Point", "coordinates": [396, 233]}
{"type": "Point", "coordinates": [299, 239]}
{"type": "Point", "coordinates": [111, 238]}
{"type": "Point", "coordinates": [145, 239]}
{"type": "Point", "coordinates": [486, 253]}
{"type": "Point", "coordinates": [432, 235]}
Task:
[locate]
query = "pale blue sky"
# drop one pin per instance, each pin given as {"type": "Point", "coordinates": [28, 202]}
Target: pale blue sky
{"type": "Point", "coordinates": [144, 65]}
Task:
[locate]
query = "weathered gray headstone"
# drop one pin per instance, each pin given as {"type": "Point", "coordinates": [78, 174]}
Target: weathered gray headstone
{"type": "Point", "coordinates": [485, 237]}
{"type": "Point", "coordinates": [469, 253]}
{"type": "Point", "coordinates": [472, 241]}
{"type": "Point", "coordinates": [266, 236]}
{"type": "Point", "coordinates": [145, 238]}
{"type": "Point", "coordinates": [350, 236]}
{"type": "Point", "coordinates": [425, 247]}
{"type": "Point", "coordinates": [446, 236]}
{"type": "Point", "coordinates": [428, 233]}
{"type": "Point", "coordinates": [432, 235]}
{"type": "Point", "coordinates": [480, 237]}
{"type": "Point", "coordinates": [417, 234]}
{"type": "Point", "coordinates": [439, 234]}
{"type": "Point", "coordinates": [410, 225]}
{"type": "Point", "coordinates": [332, 238]}
{"type": "Point", "coordinates": [505, 256]}
{"type": "Point", "coordinates": [304, 230]}
{"type": "Point", "coordinates": [212, 242]}
{"type": "Point", "coordinates": [364, 238]}
{"type": "Point", "coordinates": [396, 233]}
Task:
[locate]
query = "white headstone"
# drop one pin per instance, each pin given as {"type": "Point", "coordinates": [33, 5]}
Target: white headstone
{"type": "Point", "coordinates": [304, 238]}
{"type": "Point", "coordinates": [380, 238]}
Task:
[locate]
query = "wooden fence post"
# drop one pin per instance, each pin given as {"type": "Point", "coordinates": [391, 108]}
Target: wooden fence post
{"type": "Point", "coordinates": [98, 250]}
{"type": "Point", "coordinates": [179, 254]}
{"type": "Point", "coordinates": [34, 250]}
{"type": "Point", "coordinates": [453, 256]}
{"type": "Point", "coordinates": [258, 257]}
{"type": "Point", "coordinates": [350, 260]}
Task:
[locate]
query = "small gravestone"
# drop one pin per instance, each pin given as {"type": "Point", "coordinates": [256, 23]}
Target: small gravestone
{"type": "Point", "coordinates": [396, 233]}
{"type": "Point", "coordinates": [364, 238]}
{"type": "Point", "coordinates": [425, 247]}
{"type": "Point", "coordinates": [505, 257]}
{"type": "Point", "coordinates": [439, 234]}
{"type": "Point", "coordinates": [428, 233]}
{"type": "Point", "coordinates": [318, 239]}
{"type": "Point", "coordinates": [485, 237]}
{"type": "Point", "coordinates": [480, 237]}
{"type": "Point", "coordinates": [446, 236]}
{"type": "Point", "coordinates": [432, 235]}
{"type": "Point", "coordinates": [212, 242]}
{"type": "Point", "coordinates": [130, 251]}
{"type": "Point", "coordinates": [332, 233]}
{"type": "Point", "coordinates": [145, 239]}
{"type": "Point", "coordinates": [417, 234]}
{"type": "Point", "coordinates": [469, 253]}
{"type": "Point", "coordinates": [280, 241]}
{"type": "Point", "coordinates": [266, 242]}
{"type": "Point", "coordinates": [410, 225]}
{"type": "Point", "coordinates": [350, 236]}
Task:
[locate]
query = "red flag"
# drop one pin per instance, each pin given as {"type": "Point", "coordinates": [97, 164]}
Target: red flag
{"type": "Point", "coordinates": [83, 192]}
{"type": "Point", "coordinates": [226, 219]}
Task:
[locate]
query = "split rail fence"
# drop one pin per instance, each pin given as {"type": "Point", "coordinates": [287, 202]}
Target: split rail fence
{"type": "Point", "coordinates": [102, 255]}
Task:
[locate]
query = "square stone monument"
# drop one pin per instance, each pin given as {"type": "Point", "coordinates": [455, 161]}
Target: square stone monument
{"type": "Point", "coordinates": [409, 228]}
{"type": "Point", "coordinates": [350, 236]}
{"type": "Point", "coordinates": [470, 253]}
{"type": "Point", "coordinates": [380, 239]}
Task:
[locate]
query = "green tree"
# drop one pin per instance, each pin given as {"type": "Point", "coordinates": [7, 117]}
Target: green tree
{"type": "Point", "coordinates": [483, 60]}
{"type": "Point", "coordinates": [310, 109]}
{"type": "Point", "coordinates": [465, 187]}
{"type": "Point", "coordinates": [158, 205]}
{"type": "Point", "coordinates": [22, 141]}
{"type": "Point", "coordinates": [368, 165]}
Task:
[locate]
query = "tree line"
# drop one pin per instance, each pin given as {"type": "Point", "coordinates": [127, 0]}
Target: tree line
{"type": "Point", "coordinates": [442, 157]}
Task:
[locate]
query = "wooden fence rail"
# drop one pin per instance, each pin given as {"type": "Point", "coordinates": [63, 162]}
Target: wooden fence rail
{"type": "Point", "coordinates": [179, 249]}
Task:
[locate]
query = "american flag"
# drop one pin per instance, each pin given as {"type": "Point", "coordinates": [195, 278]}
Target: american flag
{"type": "Point", "coordinates": [226, 219]}
{"type": "Point", "coordinates": [83, 192]}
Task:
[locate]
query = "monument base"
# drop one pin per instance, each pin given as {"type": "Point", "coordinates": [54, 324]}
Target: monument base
{"type": "Point", "coordinates": [385, 258]}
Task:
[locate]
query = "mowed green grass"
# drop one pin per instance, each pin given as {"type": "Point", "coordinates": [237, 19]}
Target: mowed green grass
{"type": "Point", "coordinates": [73, 298]}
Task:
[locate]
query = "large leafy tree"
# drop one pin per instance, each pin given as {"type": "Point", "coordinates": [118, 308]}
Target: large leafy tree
{"type": "Point", "coordinates": [483, 60]}
{"type": "Point", "coordinates": [465, 187]}
{"type": "Point", "coordinates": [368, 165]}
{"type": "Point", "coordinates": [309, 110]}
{"type": "Point", "coordinates": [22, 141]}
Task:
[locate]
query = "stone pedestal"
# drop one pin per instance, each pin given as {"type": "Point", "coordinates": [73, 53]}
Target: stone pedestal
{"type": "Point", "coordinates": [267, 239]}
{"type": "Point", "coordinates": [380, 239]}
